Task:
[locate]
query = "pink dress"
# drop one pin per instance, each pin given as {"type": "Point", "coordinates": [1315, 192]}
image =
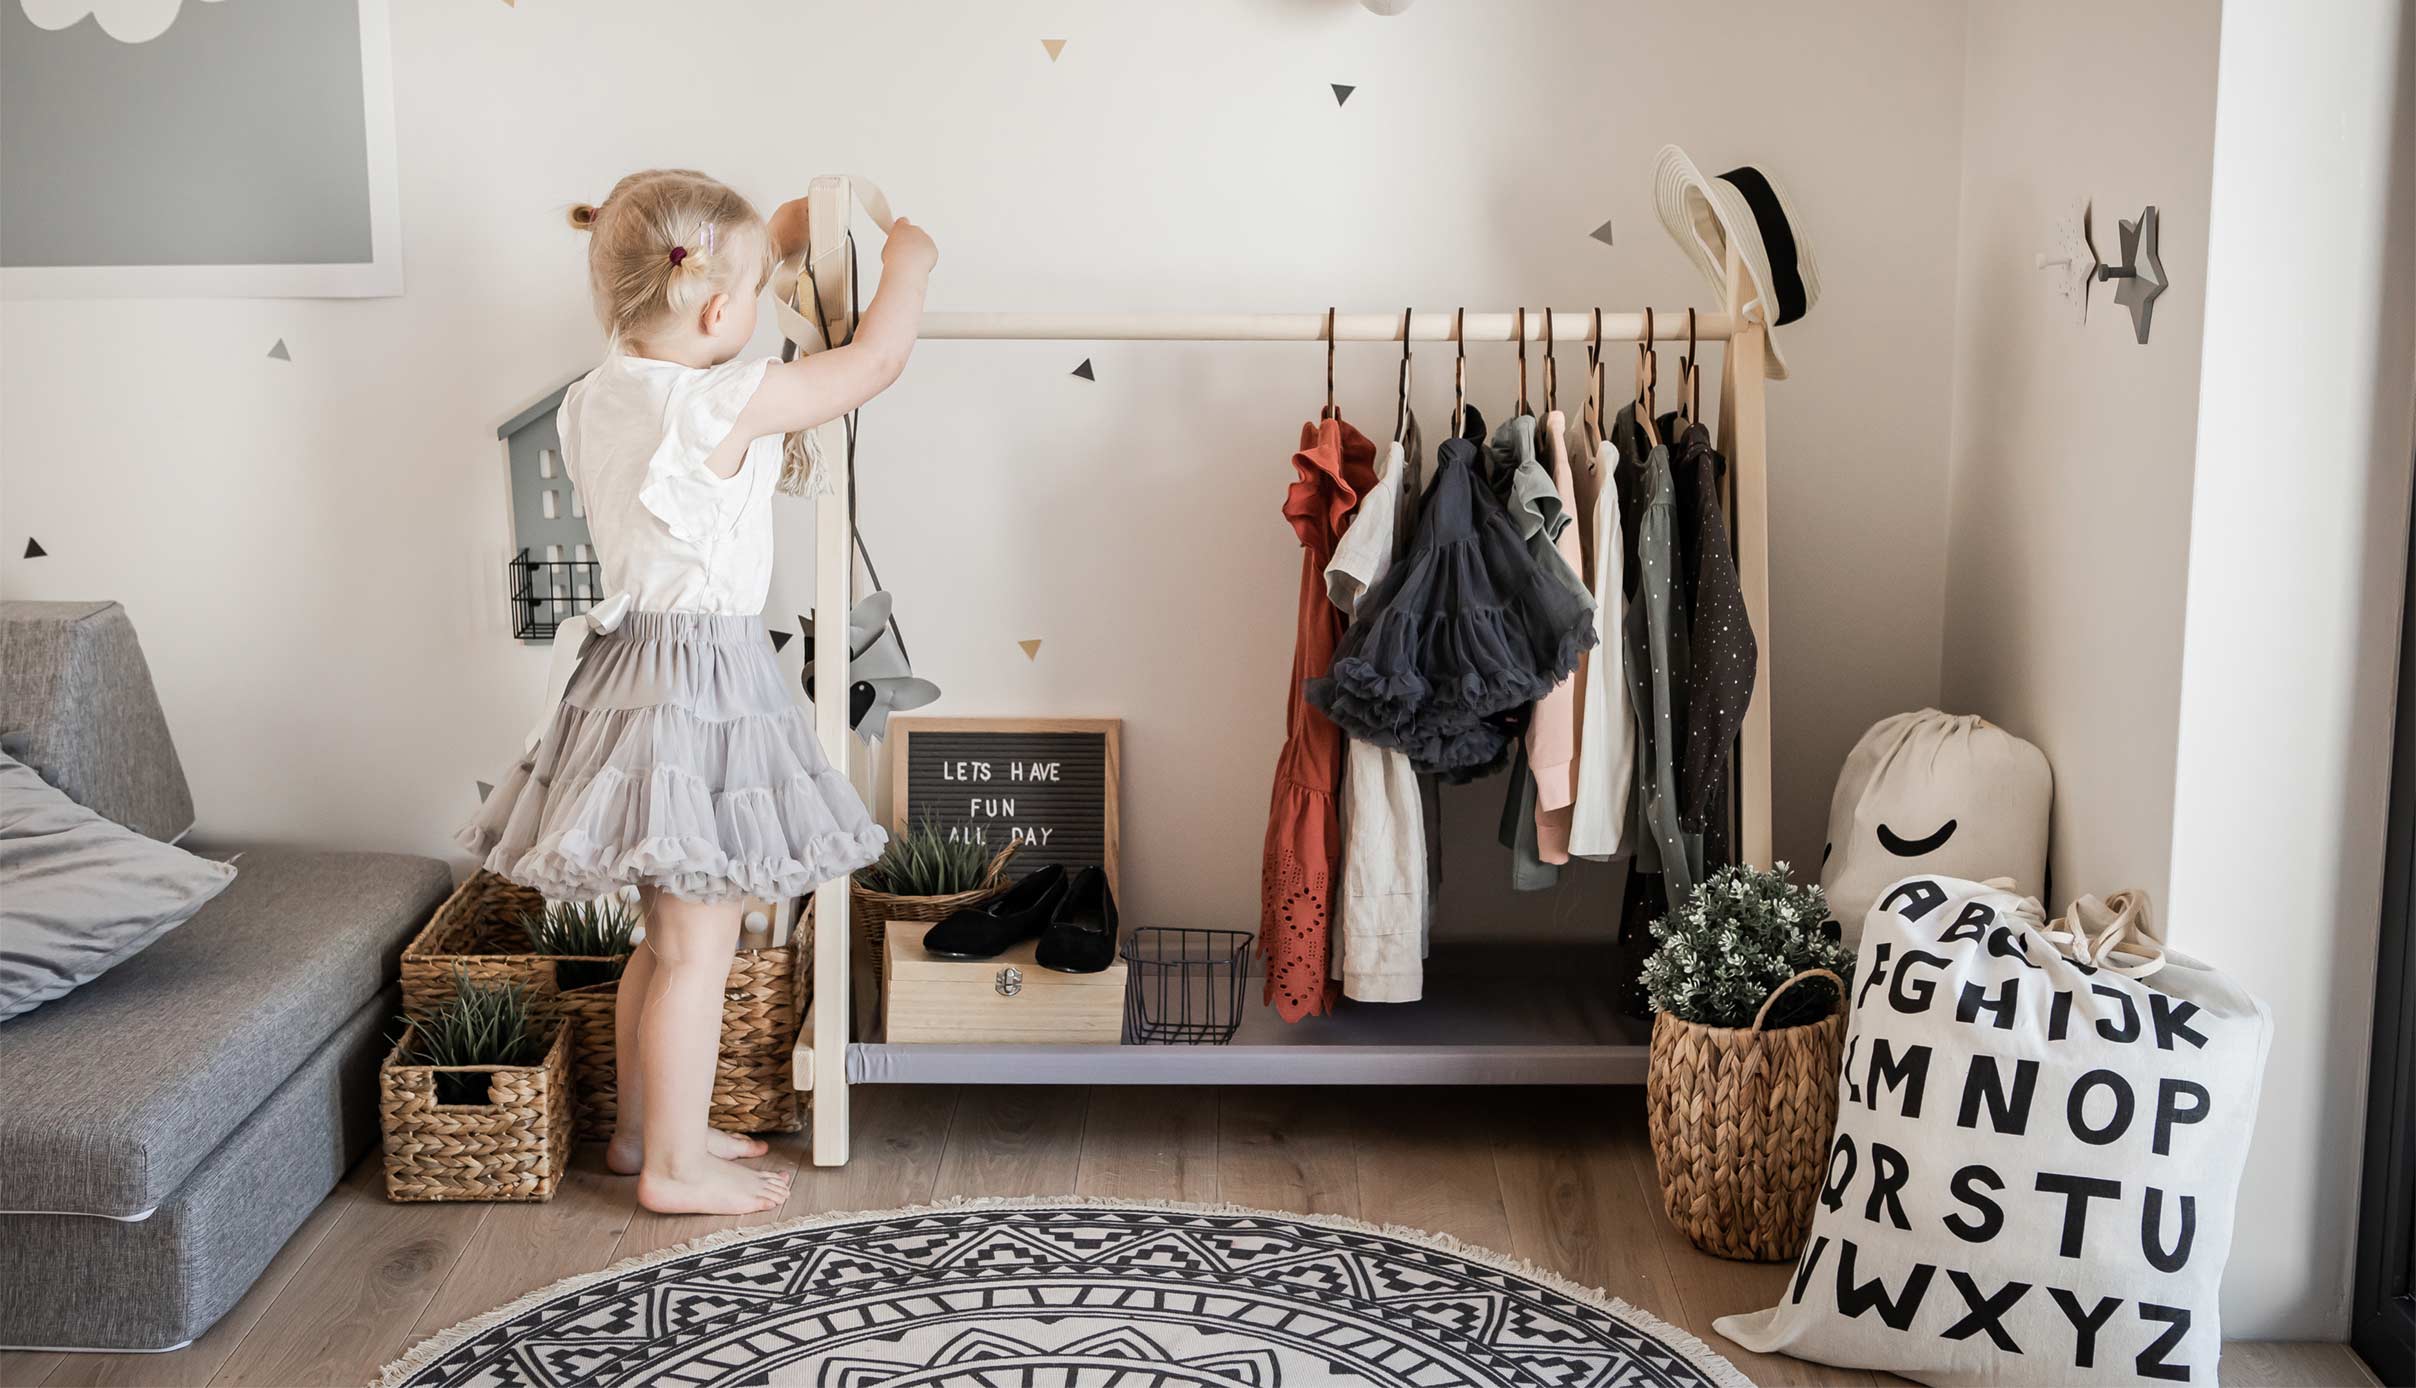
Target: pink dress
{"type": "Point", "coordinates": [1552, 736]}
{"type": "Point", "coordinates": [1336, 466]}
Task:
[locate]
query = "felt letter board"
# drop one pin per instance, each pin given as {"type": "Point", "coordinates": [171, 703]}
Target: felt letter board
{"type": "Point", "coordinates": [1048, 784]}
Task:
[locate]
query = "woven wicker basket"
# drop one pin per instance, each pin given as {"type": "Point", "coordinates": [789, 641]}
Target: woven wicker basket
{"type": "Point", "coordinates": [1741, 1119]}
{"type": "Point", "coordinates": [763, 1005]}
{"type": "Point", "coordinates": [477, 931]}
{"type": "Point", "coordinates": [515, 1146]}
{"type": "Point", "coordinates": [875, 910]}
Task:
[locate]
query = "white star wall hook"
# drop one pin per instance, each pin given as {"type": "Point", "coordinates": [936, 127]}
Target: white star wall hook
{"type": "Point", "coordinates": [2141, 271]}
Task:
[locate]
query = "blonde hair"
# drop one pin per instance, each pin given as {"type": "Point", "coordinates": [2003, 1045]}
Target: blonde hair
{"type": "Point", "coordinates": [666, 241]}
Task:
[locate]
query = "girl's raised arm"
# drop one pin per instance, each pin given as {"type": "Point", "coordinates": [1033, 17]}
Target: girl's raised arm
{"type": "Point", "coordinates": [812, 390]}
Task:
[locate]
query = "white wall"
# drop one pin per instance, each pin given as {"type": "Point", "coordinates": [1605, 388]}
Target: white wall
{"type": "Point", "coordinates": [2186, 587]}
{"type": "Point", "coordinates": [2072, 445]}
{"type": "Point", "coordinates": [313, 550]}
{"type": "Point", "coordinates": [2298, 566]}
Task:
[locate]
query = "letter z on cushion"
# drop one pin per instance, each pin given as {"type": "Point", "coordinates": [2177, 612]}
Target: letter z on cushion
{"type": "Point", "coordinates": [2035, 1161]}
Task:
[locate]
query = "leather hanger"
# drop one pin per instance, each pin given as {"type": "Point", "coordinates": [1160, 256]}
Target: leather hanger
{"type": "Point", "coordinates": [1330, 411]}
{"type": "Point", "coordinates": [1519, 331]}
{"type": "Point", "coordinates": [1459, 372]}
{"type": "Point", "coordinates": [1648, 369]}
{"type": "Point", "coordinates": [1401, 406]}
{"type": "Point", "coordinates": [1551, 368]}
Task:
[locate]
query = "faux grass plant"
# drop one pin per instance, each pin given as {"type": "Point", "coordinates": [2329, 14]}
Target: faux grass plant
{"type": "Point", "coordinates": [925, 861]}
{"type": "Point", "coordinates": [480, 1024]}
{"type": "Point", "coordinates": [591, 938]}
{"type": "Point", "coordinates": [1739, 935]}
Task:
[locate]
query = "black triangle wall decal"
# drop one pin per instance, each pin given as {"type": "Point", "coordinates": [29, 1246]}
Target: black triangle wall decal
{"type": "Point", "coordinates": [1084, 370]}
{"type": "Point", "coordinates": [33, 548]}
{"type": "Point", "coordinates": [781, 639]}
{"type": "Point", "coordinates": [1341, 92]}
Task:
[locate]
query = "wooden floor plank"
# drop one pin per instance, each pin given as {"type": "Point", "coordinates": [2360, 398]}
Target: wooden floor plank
{"type": "Point", "coordinates": [1150, 1144]}
{"type": "Point", "coordinates": [1287, 1148]}
{"type": "Point", "coordinates": [350, 1306]}
{"type": "Point", "coordinates": [899, 1132]}
{"type": "Point", "coordinates": [519, 1248]}
{"type": "Point", "coordinates": [1563, 1178]}
{"type": "Point", "coordinates": [2293, 1364]}
{"type": "Point", "coordinates": [1572, 1198]}
{"type": "Point", "coordinates": [1013, 1140]}
{"type": "Point", "coordinates": [27, 1368]}
{"type": "Point", "coordinates": [1426, 1161]}
{"type": "Point", "coordinates": [1708, 1287]}
{"type": "Point", "coordinates": [197, 1362]}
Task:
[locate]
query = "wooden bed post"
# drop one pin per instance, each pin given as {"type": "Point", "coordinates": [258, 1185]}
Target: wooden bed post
{"type": "Point", "coordinates": [1744, 437]}
{"type": "Point", "coordinates": [824, 1069]}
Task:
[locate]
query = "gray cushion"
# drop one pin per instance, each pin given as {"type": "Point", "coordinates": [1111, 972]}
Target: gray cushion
{"type": "Point", "coordinates": [79, 893]}
{"type": "Point", "coordinates": [76, 704]}
{"type": "Point", "coordinates": [77, 1282]}
{"type": "Point", "coordinates": [108, 1096]}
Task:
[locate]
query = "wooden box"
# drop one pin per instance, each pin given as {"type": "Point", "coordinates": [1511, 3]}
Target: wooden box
{"type": "Point", "coordinates": [1010, 999]}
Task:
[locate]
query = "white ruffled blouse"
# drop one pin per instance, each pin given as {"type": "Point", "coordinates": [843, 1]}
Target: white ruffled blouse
{"type": "Point", "coordinates": [669, 535]}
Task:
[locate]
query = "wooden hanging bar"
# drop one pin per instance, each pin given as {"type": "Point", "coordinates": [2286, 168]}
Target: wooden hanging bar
{"type": "Point", "coordinates": [1431, 326]}
{"type": "Point", "coordinates": [1491, 1041]}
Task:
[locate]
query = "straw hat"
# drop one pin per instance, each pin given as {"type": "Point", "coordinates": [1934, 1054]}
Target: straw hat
{"type": "Point", "coordinates": [1743, 207]}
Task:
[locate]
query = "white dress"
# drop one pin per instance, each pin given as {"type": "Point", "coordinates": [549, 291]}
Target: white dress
{"type": "Point", "coordinates": [1379, 950]}
{"type": "Point", "coordinates": [1606, 732]}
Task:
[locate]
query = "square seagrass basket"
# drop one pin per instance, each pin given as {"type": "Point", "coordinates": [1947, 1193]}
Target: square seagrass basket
{"type": "Point", "coordinates": [873, 911]}
{"type": "Point", "coordinates": [514, 1146]}
{"type": "Point", "coordinates": [477, 930]}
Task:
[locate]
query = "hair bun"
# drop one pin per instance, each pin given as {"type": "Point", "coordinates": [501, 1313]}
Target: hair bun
{"type": "Point", "coordinates": [583, 216]}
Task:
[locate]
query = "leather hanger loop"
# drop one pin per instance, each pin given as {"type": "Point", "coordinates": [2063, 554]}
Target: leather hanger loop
{"type": "Point", "coordinates": [1551, 368]}
{"type": "Point", "coordinates": [1519, 331]}
{"type": "Point", "coordinates": [1459, 371]}
{"type": "Point", "coordinates": [1401, 407]}
{"type": "Point", "coordinates": [1330, 411]}
{"type": "Point", "coordinates": [1596, 396]}
{"type": "Point", "coordinates": [1690, 396]}
{"type": "Point", "coordinates": [1648, 368]}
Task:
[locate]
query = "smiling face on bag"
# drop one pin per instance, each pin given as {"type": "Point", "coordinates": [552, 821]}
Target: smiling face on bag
{"type": "Point", "coordinates": [1934, 793]}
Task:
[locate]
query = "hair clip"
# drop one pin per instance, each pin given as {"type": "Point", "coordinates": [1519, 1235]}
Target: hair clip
{"type": "Point", "coordinates": [678, 254]}
{"type": "Point", "coordinates": [710, 228]}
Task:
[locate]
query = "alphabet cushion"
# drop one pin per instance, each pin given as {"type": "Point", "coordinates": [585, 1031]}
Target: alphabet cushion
{"type": "Point", "coordinates": [1941, 795]}
{"type": "Point", "coordinates": [2035, 1160]}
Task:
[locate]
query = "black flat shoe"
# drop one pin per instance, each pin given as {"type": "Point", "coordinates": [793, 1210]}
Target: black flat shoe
{"type": "Point", "coordinates": [993, 928]}
{"type": "Point", "coordinates": [1081, 934]}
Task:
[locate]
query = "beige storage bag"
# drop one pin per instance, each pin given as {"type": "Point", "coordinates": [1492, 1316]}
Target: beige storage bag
{"type": "Point", "coordinates": [1940, 794]}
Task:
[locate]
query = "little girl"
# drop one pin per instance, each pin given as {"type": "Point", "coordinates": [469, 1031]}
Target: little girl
{"type": "Point", "coordinates": [678, 760]}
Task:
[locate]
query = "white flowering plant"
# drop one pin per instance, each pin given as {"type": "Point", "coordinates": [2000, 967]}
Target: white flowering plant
{"type": "Point", "coordinates": [1740, 934]}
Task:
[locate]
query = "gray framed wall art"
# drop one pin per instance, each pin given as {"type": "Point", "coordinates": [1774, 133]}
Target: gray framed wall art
{"type": "Point", "coordinates": [197, 148]}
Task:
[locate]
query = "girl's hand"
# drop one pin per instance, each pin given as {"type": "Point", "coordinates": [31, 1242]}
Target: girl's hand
{"type": "Point", "coordinates": [788, 228]}
{"type": "Point", "coordinates": [909, 248]}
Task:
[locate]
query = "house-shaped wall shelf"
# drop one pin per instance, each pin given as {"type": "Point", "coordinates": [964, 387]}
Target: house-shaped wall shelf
{"type": "Point", "coordinates": [553, 574]}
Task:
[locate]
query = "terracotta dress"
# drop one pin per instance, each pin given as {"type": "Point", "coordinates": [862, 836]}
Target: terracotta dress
{"type": "Point", "coordinates": [1336, 466]}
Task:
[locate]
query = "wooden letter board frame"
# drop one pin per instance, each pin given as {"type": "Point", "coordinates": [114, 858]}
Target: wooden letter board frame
{"type": "Point", "coordinates": [1111, 730]}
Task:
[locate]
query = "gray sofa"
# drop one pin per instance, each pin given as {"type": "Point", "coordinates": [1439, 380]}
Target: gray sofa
{"type": "Point", "coordinates": [165, 1128]}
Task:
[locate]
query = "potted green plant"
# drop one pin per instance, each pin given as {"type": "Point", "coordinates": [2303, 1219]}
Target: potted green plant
{"type": "Point", "coordinates": [1747, 988]}
{"type": "Point", "coordinates": [589, 940]}
{"type": "Point", "coordinates": [924, 873]}
{"type": "Point", "coordinates": [475, 1100]}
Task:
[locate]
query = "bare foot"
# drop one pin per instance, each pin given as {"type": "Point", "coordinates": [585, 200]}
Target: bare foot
{"type": "Point", "coordinates": [626, 1153]}
{"type": "Point", "coordinates": [717, 1187]}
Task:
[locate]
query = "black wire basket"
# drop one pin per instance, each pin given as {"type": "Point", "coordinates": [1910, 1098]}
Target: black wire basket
{"type": "Point", "coordinates": [1184, 987]}
{"type": "Point", "coordinates": [546, 591]}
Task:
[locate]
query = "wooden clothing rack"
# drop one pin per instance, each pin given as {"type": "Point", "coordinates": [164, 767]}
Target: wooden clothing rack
{"type": "Point", "coordinates": [1489, 1030]}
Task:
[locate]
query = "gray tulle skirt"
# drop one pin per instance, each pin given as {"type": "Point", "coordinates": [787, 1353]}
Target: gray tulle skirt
{"type": "Point", "coordinates": [677, 759]}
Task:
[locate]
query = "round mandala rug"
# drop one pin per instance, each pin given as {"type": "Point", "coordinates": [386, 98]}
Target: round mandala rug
{"type": "Point", "coordinates": [1067, 1294]}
